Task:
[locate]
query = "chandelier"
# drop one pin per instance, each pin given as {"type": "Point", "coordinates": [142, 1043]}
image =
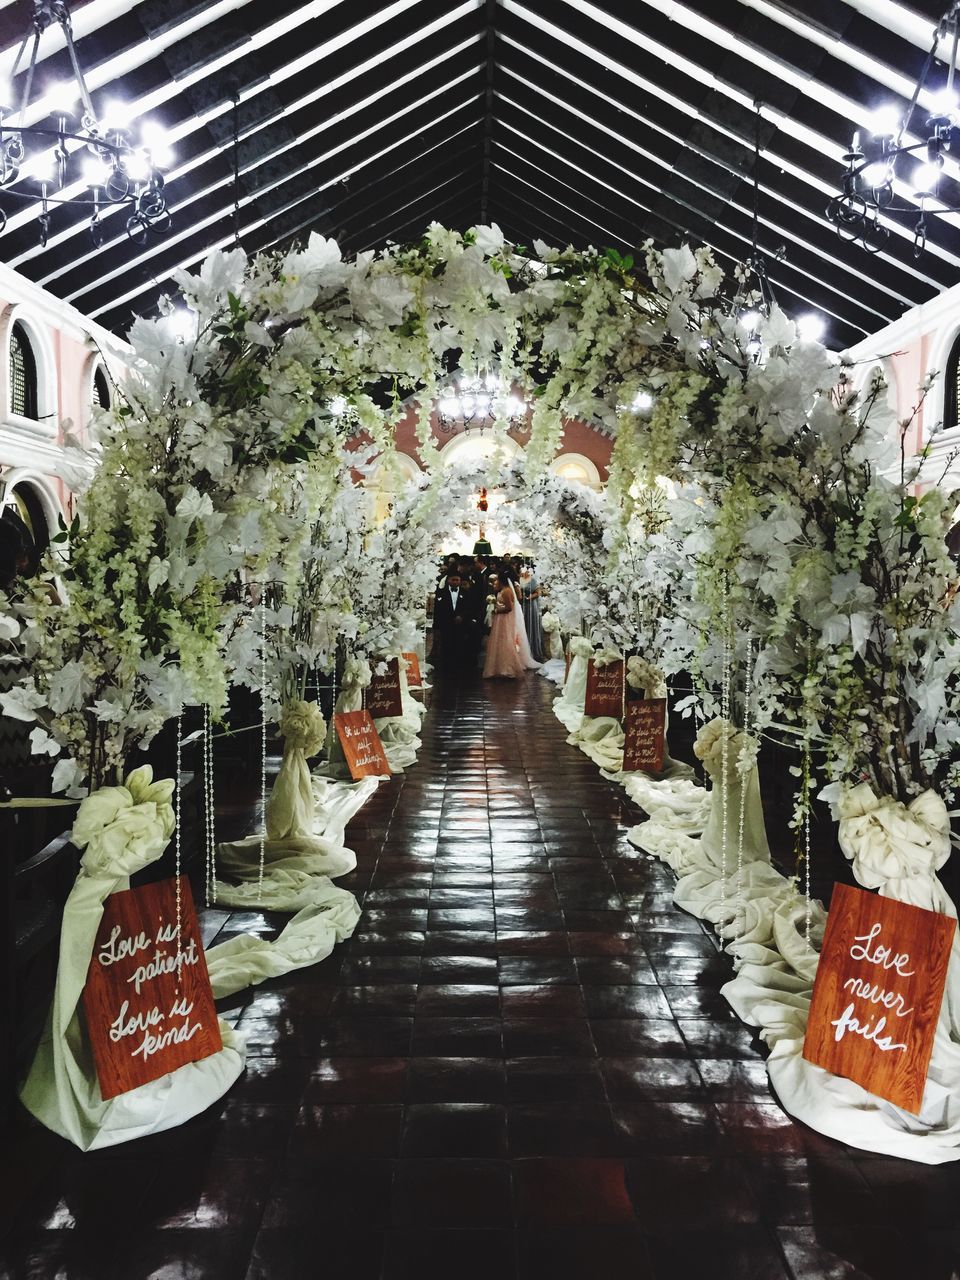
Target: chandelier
{"type": "Point", "coordinates": [875, 180]}
{"type": "Point", "coordinates": [72, 155]}
{"type": "Point", "coordinates": [479, 402]}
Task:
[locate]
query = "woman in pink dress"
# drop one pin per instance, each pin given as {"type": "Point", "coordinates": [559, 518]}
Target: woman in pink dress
{"type": "Point", "coordinates": [502, 657]}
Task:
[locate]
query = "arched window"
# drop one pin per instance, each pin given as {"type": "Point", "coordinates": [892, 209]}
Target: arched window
{"type": "Point", "coordinates": [101, 388]}
{"type": "Point", "coordinates": [23, 374]}
{"type": "Point", "coordinates": [951, 387]}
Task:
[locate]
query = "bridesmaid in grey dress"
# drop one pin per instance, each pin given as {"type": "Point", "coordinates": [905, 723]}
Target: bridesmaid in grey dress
{"type": "Point", "coordinates": [530, 590]}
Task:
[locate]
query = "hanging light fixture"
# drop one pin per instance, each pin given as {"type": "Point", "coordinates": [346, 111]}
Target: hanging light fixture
{"type": "Point", "coordinates": [479, 402]}
{"type": "Point", "coordinates": [72, 155]}
{"type": "Point", "coordinates": [879, 160]}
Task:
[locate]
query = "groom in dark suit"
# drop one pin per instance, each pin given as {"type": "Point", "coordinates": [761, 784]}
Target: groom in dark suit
{"type": "Point", "coordinates": [457, 630]}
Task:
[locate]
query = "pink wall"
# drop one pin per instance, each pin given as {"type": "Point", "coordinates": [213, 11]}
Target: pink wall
{"type": "Point", "coordinates": [65, 348]}
{"type": "Point", "coordinates": [578, 437]}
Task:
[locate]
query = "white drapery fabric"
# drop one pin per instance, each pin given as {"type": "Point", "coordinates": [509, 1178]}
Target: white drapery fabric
{"type": "Point", "coordinates": [568, 708]}
{"type": "Point", "coordinates": [121, 830]}
{"type": "Point", "coordinates": [895, 849]}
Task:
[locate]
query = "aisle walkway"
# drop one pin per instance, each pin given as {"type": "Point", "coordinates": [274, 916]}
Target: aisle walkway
{"type": "Point", "coordinates": [520, 1067]}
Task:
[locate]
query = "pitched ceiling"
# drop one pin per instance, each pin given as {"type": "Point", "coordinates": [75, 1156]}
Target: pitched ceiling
{"type": "Point", "coordinates": [572, 121]}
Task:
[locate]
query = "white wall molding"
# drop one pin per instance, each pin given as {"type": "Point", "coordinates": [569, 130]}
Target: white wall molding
{"type": "Point", "coordinates": [943, 310]}
{"type": "Point", "coordinates": [42, 305]}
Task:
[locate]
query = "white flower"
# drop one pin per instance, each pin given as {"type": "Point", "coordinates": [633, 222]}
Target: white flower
{"type": "Point", "coordinates": [489, 240]}
{"type": "Point", "coordinates": [193, 504]}
{"type": "Point", "coordinates": [679, 267]}
{"type": "Point", "coordinates": [41, 744]}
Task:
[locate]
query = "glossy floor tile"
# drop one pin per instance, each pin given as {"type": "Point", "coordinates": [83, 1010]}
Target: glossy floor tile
{"type": "Point", "coordinates": [520, 1066]}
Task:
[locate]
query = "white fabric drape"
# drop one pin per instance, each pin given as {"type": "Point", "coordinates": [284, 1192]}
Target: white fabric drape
{"type": "Point", "coordinates": [893, 848]}
{"type": "Point", "coordinates": [122, 830]}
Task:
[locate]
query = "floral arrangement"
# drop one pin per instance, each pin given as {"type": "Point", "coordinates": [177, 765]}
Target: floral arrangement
{"type": "Point", "coordinates": [217, 472]}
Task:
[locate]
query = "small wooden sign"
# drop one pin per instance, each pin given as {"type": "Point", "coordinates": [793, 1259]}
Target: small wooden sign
{"type": "Point", "coordinates": [383, 693]}
{"type": "Point", "coordinates": [148, 1003]}
{"type": "Point", "coordinates": [414, 678]}
{"type": "Point", "coordinates": [362, 748]}
{"type": "Point", "coordinates": [643, 732]}
{"type": "Point", "coordinates": [604, 690]}
{"type": "Point", "coordinates": [877, 996]}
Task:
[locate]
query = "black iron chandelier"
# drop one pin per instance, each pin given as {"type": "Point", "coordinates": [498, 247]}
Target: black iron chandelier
{"type": "Point", "coordinates": [871, 180]}
{"type": "Point", "coordinates": [479, 402]}
{"type": "Point", "coordinates": [72, 156]}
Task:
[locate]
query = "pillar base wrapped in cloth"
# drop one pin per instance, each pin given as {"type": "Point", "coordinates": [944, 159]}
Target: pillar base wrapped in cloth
{"type": "Point", "coordinates": [121, 830]}
{"type": "Point", "coordinates": [895, 849]}
{"type": "Point", "coordinates": [301, 850]}
{"type": "Point", "coordinates": [568, 707]}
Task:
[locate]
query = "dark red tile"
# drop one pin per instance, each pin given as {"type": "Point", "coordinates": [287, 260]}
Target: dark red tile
{"type": "Point", "coordinates": [456, 1080]}
{"type": "Point", "coordinates": [581, 1253]}
{"type": "Point", "coordinates": [419, 1254]}
{"type": "Point", "coordinates": [457, 1037]}
{"type": "Point", "coordinates": [466, 969]}
{"type": "Point", "coordinates": [347, 1129]}
{"type": "Point", "coordinates": [458, 1193]}
{"type": "Point", "coordinates": [538, 1037]}
{"type": "Point", "coordinates": [614, 971]}
{"type": "Point", "coordinates": [554, 1080]}
{"type": "Point", "coordinates": [665, 1126]}
{"type": "Point", "coordinates": [454, 1129]}
{"type": "Point", "coordinates": [335, 1191]}
{"type": "Point", "coordinates": [357, 1079]}
{"type": "Point", "coordinates": [547, 1001]}
{"type": "Point", "coordinates": [646, 1037]}
{"type": "Point", "coordinates": [376, 999]}
{"type": "Point", "coordinates": [663, 1189]}
{"type": "Point", "coordinates": [570, 1191]}
{"type": "Point", "coordinates": [282, 1254]}
{"type": "Point", "coordinates": [562, 1129]}
{"type": "Point", "coordinates": [636, 1079]}
{"type": "Point", "coordinates": [526, 970]}
{"type": "Point", "coordinates": [738, 1253]}
{"type": "Point", "coordinates": [458, 1000]}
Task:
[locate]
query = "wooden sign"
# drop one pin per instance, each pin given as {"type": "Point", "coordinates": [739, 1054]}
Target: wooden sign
{"type": "Point", "coordinates": [383, 693]}
{"type": "Point", "coordinates": [877, 996]}
{"type": "Point", "coordinates": [414, 678]}
{"type": "Point", "coordinates": [148, 1003]}
{"type": "Point", "coordinates": [643, 731]}
{"type": "Point", "coordinates": [604, 690]}
{"type": "Point", "coordinates": [361, 745]}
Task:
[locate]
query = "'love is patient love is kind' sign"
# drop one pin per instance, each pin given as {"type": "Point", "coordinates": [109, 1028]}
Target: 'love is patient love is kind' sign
{"type": "Point", "coordinates": [147, 999]}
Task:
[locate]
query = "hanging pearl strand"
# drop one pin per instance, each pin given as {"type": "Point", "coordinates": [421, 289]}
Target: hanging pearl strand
{"type": "Point", "coordinates": [209, 807]}
{"type": "Point", "coordinates": [724, 757]}
{"type": "Point", "coordinates": [263, 743]}
{"type": "Point", "coordinates": [176, 843]}
{"type": "Point", "coordinates": [808, 905]}
{"type": "Point", "coordinates": [741, 916]}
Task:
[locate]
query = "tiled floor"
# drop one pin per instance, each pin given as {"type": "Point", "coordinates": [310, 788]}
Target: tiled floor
{"type": "Point", "coordinates": [519, 1067]}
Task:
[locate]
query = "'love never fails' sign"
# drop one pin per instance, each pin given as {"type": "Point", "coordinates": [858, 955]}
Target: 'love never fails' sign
{"type": "Point", "coordinates": [877, 995]}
